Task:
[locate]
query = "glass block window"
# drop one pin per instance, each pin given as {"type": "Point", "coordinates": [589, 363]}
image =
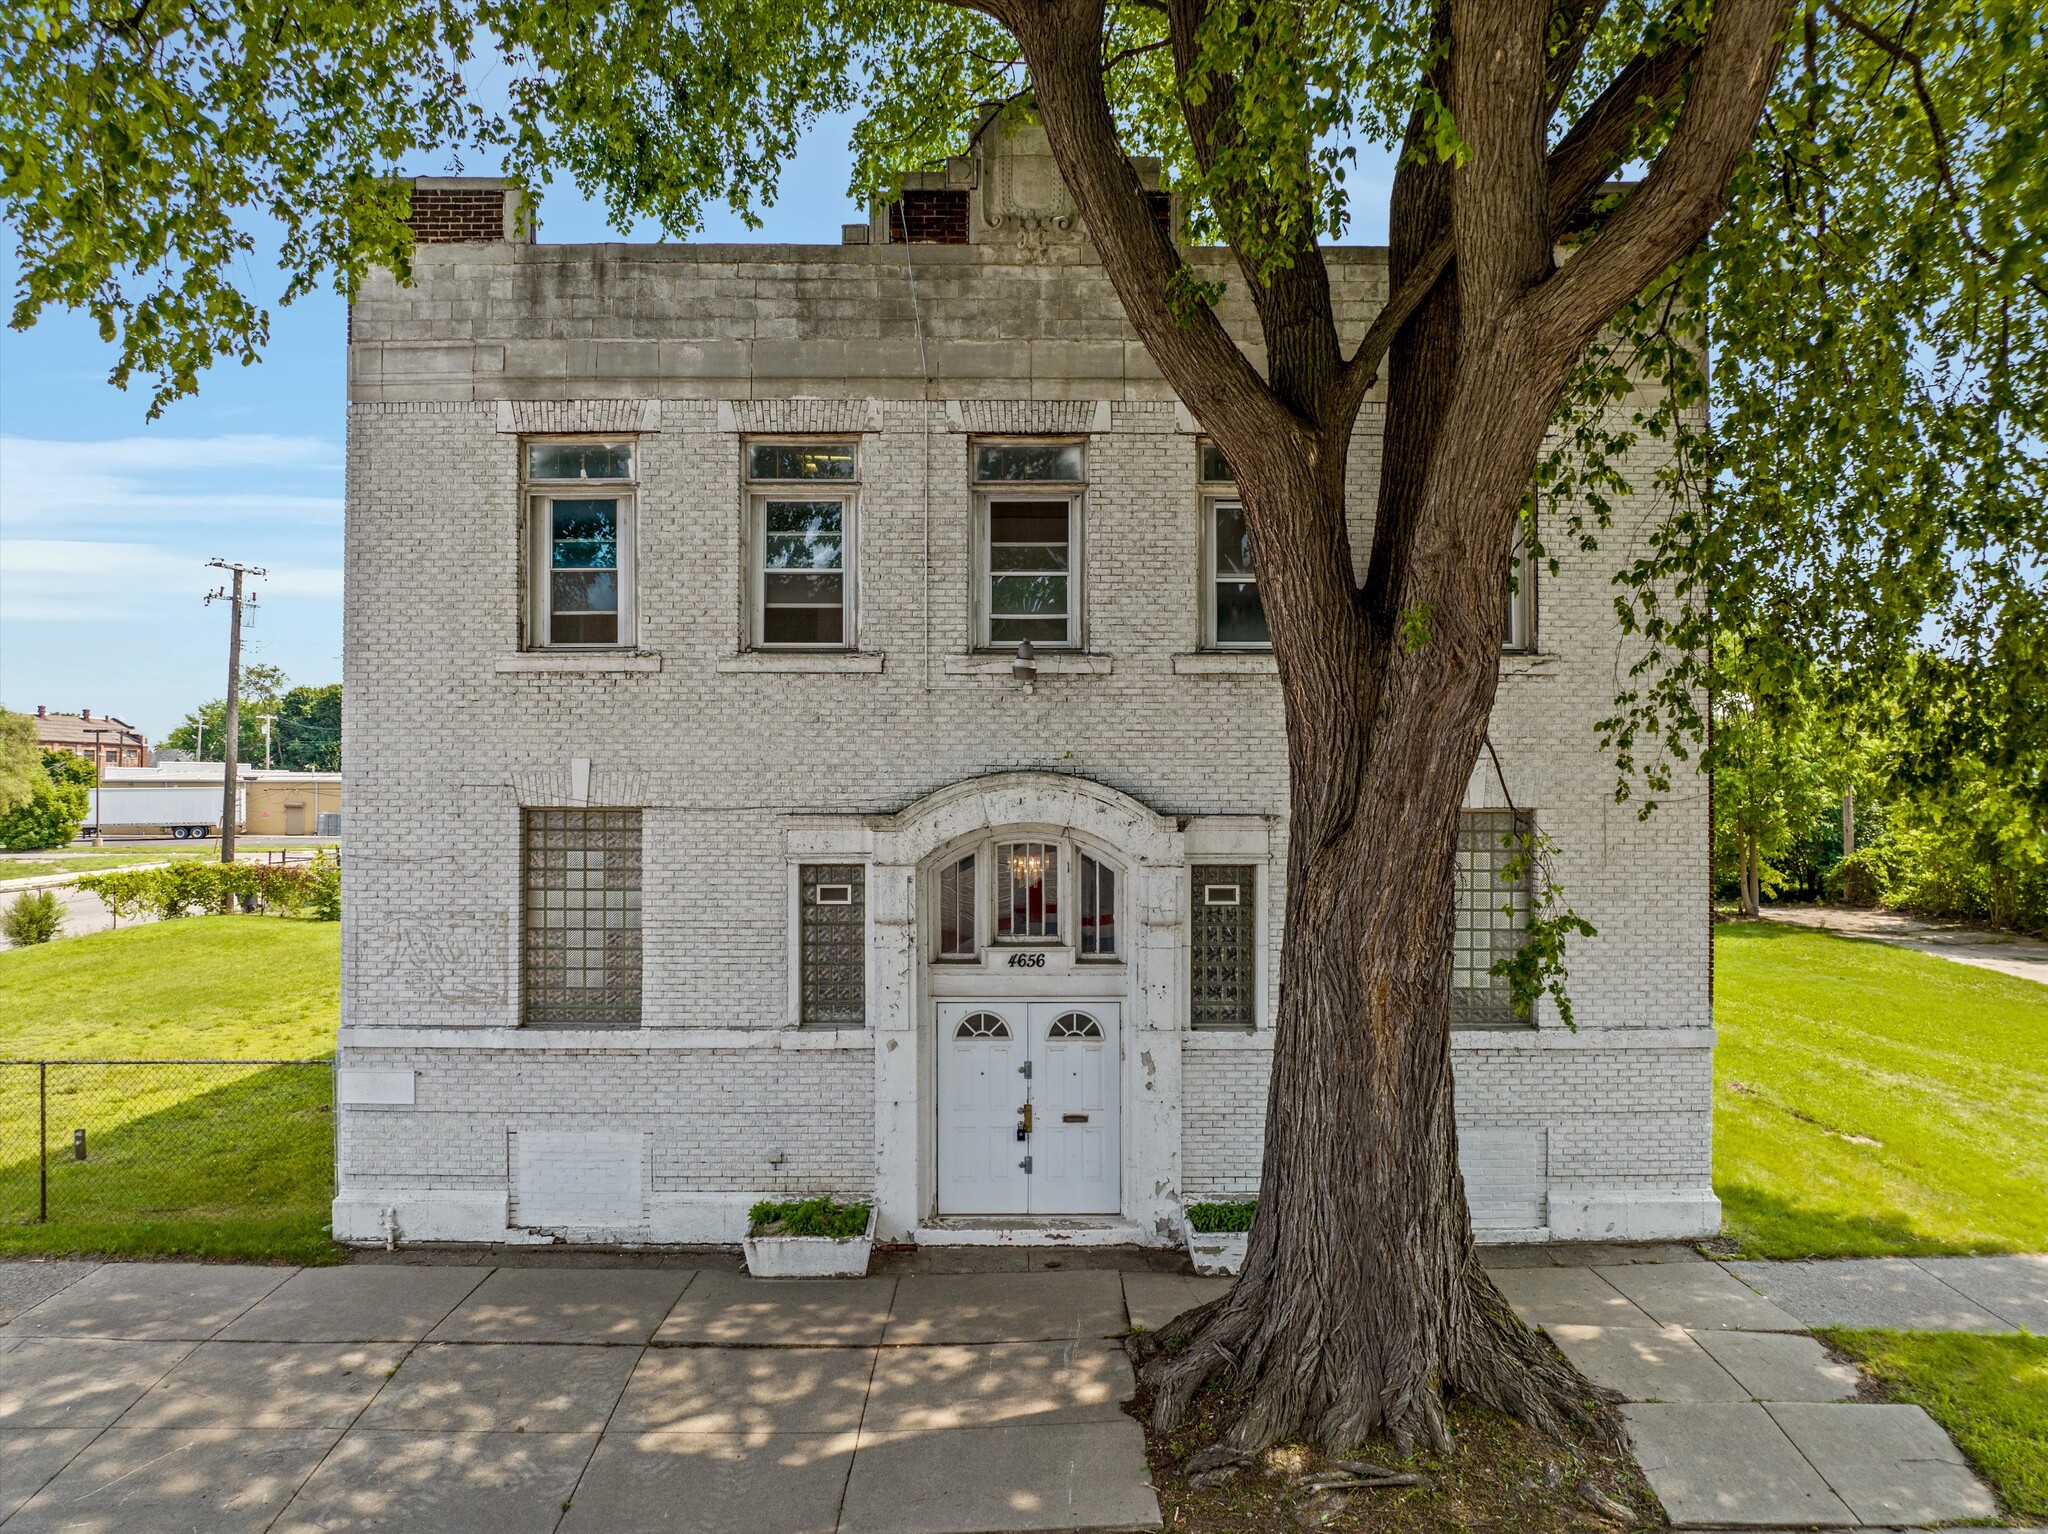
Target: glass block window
{"type": "Point", "coordinates": [1028, 892]}
{"type": "Point", "coordinates": [1034, 462]}
{"type": "Point", "coordinates": [582, 915]}
{"type": "Point", "coordinates": [956, 910]}
{"type": "Point", "coordinates": [1493, 914]}
{"type": "Point", "coordinates": [833, 928]}
{"type": "Point", "coordinates": [1098, 909]}
{"type": "Point", "coordinates": [1223, 933]}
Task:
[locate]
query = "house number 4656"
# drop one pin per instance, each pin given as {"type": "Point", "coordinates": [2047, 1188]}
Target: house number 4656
{"type": "Point", "coordinates": [1027, 961]}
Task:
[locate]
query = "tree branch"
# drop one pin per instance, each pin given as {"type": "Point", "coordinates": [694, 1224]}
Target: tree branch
{"type": "Point", "coordinates": [1677, 202]}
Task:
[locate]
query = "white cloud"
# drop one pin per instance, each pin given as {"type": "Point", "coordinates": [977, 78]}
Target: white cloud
{"type": "Point", "coordinates": [62, 484]}
{"type": "Point", "coordinates": [55, 580]}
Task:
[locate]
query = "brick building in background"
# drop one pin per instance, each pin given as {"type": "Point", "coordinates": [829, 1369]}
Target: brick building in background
{"type": "Point", "coordinates": [711, 838]}
{"type": "Point", "coordinates": [101, 739]}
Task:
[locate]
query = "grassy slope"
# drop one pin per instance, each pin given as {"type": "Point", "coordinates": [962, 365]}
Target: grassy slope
{"type": "Point", "coordinates": [183, 1160]}
{"type": "Point", "coordinates": [1991, 1393]}
{"type": "Point", "coordinates": [1943, 1066]}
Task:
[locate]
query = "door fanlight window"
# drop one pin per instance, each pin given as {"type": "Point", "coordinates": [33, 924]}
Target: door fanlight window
{"type": "Point", "coordinates": [982, 1025]}
{"type": "Point", "coordinates": [1074, 1025]}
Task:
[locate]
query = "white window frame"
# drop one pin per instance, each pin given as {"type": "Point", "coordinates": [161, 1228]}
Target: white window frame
{"type": "Point", "coordinates": [537, 496]}
{"type": "Point", "coordinates": [1519, 637]}
{"type": "Point", "coordinates": [759, 493]}
{"type": "Point", "coordinates": [1212, 494]}
{"type": "Point", "coordinates": [1071, 493]}
{"type": "Point", "coordinates": [1067, 858]}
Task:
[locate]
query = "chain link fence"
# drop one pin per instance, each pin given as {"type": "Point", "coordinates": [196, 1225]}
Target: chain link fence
{"type": "Point", "coordinates": [164, 1141]}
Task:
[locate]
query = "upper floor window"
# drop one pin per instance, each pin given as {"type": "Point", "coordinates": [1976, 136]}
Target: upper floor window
{"type": "Point", "coordinates": [1028, 496]}
{"type": "Point", "coordinates": [1233, 618]}
{"type": "Point", "coordinates": [1518, 632]}
{"type": "Point", "coordinates": [801, 541]}
{"type": "Point", "coordinates": [579, 494]}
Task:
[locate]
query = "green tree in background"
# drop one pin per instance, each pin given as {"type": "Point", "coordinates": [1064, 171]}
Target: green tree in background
{"type": "Point", "coordinates": [20, 762]}
{"type": "Point", "coordinates": [57, 805]}
{"type": "Point", "coordinates": [1876, 295]}
{"type": "Point", "coordinates": [305, 730]}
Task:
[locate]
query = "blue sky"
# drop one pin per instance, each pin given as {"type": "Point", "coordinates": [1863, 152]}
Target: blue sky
{"type": "Point", "coordinates": [107, 519]}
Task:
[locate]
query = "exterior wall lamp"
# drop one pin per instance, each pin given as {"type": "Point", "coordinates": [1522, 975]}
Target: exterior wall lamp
{"type": "Point", "coordinates": [1024, 667]}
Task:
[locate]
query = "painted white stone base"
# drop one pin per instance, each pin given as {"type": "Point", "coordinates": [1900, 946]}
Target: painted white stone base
{"type": "Point", "coordinates": [673, 1219]}
{"type": "Point", "coordinates": [1632, 1214]}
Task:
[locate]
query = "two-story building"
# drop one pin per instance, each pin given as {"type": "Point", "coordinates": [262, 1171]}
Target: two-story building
{"type": "Point", "coordinates": [714, 836]}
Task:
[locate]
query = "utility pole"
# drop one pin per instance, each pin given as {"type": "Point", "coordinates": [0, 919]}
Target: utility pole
{"type": "Point", "coordinates": [232, 595]}
{"type": "Point", "coordinates": [99, 768]}
{"type": "Point", "coordinates": [199, 741]}
{"type": "Point", "coordinates": [266, 718]}
{"type": "Point", "coordinates": [1849, 820]}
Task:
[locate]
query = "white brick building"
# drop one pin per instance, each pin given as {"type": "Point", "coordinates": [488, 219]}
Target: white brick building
{"type": "Point", "coordinates": [704, 846]}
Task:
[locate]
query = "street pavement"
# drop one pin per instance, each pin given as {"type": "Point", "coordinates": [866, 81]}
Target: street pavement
{"type": "Point", "coordinates": [2008, 953]}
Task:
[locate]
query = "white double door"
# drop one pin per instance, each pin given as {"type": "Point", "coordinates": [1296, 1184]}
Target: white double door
{"type": "Point", "coordinates": [1028, 1099]}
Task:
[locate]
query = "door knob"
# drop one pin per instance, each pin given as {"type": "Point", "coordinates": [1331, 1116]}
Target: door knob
{"type": "Point", "coordinates": [1024, 1121]}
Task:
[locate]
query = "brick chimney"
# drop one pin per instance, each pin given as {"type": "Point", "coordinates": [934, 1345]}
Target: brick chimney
{"type": "Point", "coordinates": [464, 210]}
{"type": "Point", "coordinates": [42, 711]}
{"type": "Point", "coordinates": [85, 713]}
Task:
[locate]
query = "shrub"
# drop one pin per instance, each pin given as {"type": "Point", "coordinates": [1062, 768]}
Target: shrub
{"type": "Point", "coordinates": [125, 890]}
{"type": "Point", "coordinates": [58, 803]}
{"type": "Point", "coordinates": [1223, 1218]}
{"type": "Point", "coordinates": [35, 917]}
{"type": "Point", "coordinates": [807, 1217]}
{"type": "Point", "coordinates": [324, 890]}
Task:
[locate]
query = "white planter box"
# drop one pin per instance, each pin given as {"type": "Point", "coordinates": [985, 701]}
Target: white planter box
{"type": "Point", "coordinates": [811, 1256]}
{"type": "Point", "coordinates": [1216, 1254]}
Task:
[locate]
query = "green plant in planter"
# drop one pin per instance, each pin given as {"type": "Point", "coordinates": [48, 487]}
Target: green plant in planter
{"type": "Point", "coordinates": [1222, 1219]}
{"type": "Point", "coordinates": [808, 1217]}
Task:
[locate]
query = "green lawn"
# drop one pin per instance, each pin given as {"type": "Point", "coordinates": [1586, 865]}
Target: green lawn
{"type": "Point", "coordinates": [1873, 1101]}
{"type": "Point", "coordinates": [82, 863]}
{"type": "Point", "coordinates": [1991, 1393]}
{"type": "Point", "coordinates": [232, 1161]}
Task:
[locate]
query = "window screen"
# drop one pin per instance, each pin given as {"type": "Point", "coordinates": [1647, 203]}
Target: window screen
{"type": "Point", "coordinates": [1492, 917]}
{"type": "Point", "coordinates": [833, 928]}
{"type": "Point", "coordinates": [582, 901]}
{"type": "Point", "coordinates": [1223, 929]}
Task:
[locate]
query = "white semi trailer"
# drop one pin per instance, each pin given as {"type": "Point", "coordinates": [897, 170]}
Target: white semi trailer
{"type": "Point", "coordinates": [183, 811]}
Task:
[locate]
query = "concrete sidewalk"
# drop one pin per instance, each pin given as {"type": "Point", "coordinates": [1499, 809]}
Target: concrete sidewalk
{"type": "Point", "coordinates": [562, 1392]}
{"type": "Point", "coordinates": [465, 1399]}
{"type": "Point", "coordinates": [2008, 953]}
{"type": "Point", "coordinates": [1737, 1417]}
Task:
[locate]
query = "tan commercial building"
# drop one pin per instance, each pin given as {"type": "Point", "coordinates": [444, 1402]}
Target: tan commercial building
{"type": "Point", "coordinates": [278, 803]}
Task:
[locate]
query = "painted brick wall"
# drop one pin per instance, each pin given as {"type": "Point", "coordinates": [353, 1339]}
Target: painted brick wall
{"type": "Point", "coordinates": [709, 339]}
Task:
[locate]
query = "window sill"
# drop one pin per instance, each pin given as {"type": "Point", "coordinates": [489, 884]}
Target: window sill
{"type": "Point", "coordinates": [1048, 662]}
{"type": "Point", "coordinates": [1527, 663]}
{"type": "Point", "coordinates": [578, 663]}
{"type": "Point", "coordinates": [801, 662]}
{"type": "Point", "coordinates": [1226, 663]}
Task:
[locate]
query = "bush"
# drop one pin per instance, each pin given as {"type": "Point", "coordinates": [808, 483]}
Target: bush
{"type": "Point", "coordinates": [35, 917]}
{"type": "Point", "coordinates": [57, 807]}
{"type": "Point", "coordinates": [808, 1217]}
{"type": "Point", "coordinates": [1222, 1219]}
{"type": "Point", "coordinates": [324, 891]}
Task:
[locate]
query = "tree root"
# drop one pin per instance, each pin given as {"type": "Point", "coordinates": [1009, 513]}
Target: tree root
{"type": "Point", "coordinates": [1327, 1380]}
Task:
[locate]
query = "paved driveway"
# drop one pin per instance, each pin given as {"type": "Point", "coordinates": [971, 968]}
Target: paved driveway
{"type": "Point", "coordinates": [151, 1397]}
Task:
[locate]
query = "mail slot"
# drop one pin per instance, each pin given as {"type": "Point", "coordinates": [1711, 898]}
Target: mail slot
{"type": "Point", "coordinates": [1073, 1118]}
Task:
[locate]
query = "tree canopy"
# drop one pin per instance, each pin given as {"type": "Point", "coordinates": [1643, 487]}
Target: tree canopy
{"type": "Point", "coordinates": [305, 725]}
{"type": "Point", "coordinates": [1873, 301]}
